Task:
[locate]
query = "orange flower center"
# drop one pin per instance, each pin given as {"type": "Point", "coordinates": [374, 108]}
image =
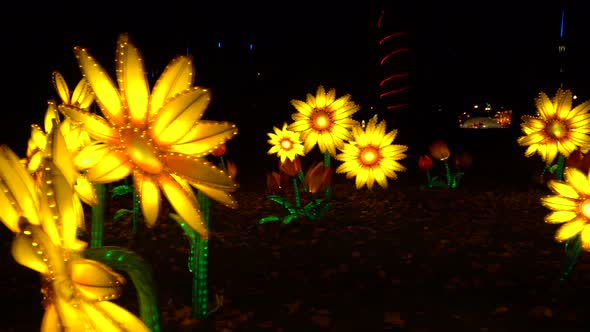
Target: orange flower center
{"type": "Point", "coordinates": [321, 120]}
{"type": "Point", "coordinates": [585, 208]}
{"type": "Point", "coordinates": [369, 156]}
{"type": "Point", "coordinates": [557, 129]}
{"type": "Point", "coordinates": [286, 144]}
{"type": "Point", "coordinates": [141, 151]}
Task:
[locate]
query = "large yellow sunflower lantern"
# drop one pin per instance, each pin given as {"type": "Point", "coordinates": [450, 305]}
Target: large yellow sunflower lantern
{"type": "Point", "coordinates": [324, 120]}
{"type": "Point", "coordinates": [158, 136]}
{"type": "Point", "coordinates": [571, 206]}
{"type": "Point", "coordinates": [371, 157]}
{"type": "Point", "coordinates": [558, 128]}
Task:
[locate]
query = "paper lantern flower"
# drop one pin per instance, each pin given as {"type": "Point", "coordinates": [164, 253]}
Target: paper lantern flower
{"type": "Point", "coordinates": [371, 156]}
{"type": "Point", "coordinates": [324, 120]}
{"type": "Point", "coordinates": [570, 205]}
{"type": "Point", "coordinates": [219, 151]}
{"type": "Point", "coordinates": [425, 163]}
{"type": "Point", "coordinates": [76, 291]}
{"type": "Point", "coordinates": [439, 150]}
{"type": "Point", "coordinates": [157, 137]}
{"type": "Point", "coordinates": [276, 182]}
{"type": "Point", "coordinates": [285, 143]}
{"type": "Point", "coordinates": [558, 128]}
{"type": "Point", "coordinates": [318, 178]}
{"type": "Point", "coordinates": [290, 167]}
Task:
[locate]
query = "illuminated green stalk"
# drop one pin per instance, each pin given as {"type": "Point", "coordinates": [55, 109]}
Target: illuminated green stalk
{"type": "Point", "coordinates": [200, 253]}
{"type": "Point", "coordinates": [96, 230]}
{"type": "Point", "coordinates": [224, 167]}
{"type": "Point", "coordinates": [429, 178]}
{"type": "Point", "coordinates": [296, 190]}
{"type": "Point", "coordinates": [123, 259]}
{"type": "Point", "coordinates": [573, 254]}
{"type": "Point", "coordinates": [448, 173]}
{"type": "Point", "coordinates": [560, 166]}
{"type": "Point", "coordinates": [326, 165]}
{"type": "Point", "coordinates": [135, 213]}
{"type": "Point", "coordinates": [301, 178]}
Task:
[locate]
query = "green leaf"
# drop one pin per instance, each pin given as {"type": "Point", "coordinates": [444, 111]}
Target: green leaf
{"type": "Point", "coordinates": [121, 213]}
{"type": "Point", "coordinates": [121, 190]}
{"type": "Point", "coordinates": [287, 219]}
{"type": "Point", "coordinates": [268, 219]}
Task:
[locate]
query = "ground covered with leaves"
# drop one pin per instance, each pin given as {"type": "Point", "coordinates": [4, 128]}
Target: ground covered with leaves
{"type": "Point", "coordinates": [476, 258]}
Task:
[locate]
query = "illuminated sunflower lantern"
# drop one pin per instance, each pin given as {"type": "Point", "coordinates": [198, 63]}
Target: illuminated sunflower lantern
{"type": "Point", "coordinates": [158, 137]}
{"type": "Point", "coordinates": [371, 157]}
{"type": "Point", "coordinates": [75, 290]}
{"type": "Point", "coordinates": [285, 143]}
{"type": "Point", "coordinates": [558, 128]}
{"type": "Point", "coordinates": [570, 205]}
{"type": "Point", "coordinates": [324, 120]}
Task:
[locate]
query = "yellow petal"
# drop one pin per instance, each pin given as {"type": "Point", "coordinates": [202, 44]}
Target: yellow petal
{"type": "Point", "coordinates": [198, 170]}
{"type": "Point", "coordinates": [185, 204]}
{"type": "Point", "coordinates": [204, 136]}
{"type": "Point", "coordinates": [558, 203]}
{"type": "Point", "coordinates": [176, 78]}
{"type": "Point", "coordinates": [178, 116]}
{"type": "Point", "coordinates": [577, 180]}
{"type": "Point", "coordinates": [82, 95]}
{"type": "Point", "coordinates": [558, 217]}
{"type": "Point", "coordinates": [569, 230]}
{"type": "Point", "coordinates": [91, 155]}
{"type": "Point", "coordinates": [61, 87]}
{"type": "Point", "coordinates": [132, 78]}
{"type": "Point", "coordinates": [302, 107]}
{"type": "Point", "coordinates": [218, 195]}
{"type": "Point", "coordinates": [86, 191]}
{"type": "Point", "coordinates": [109, 317]}
{"type": "Point", "coordinates": [96, 126]}
{"type": "Point", "coordinates": [585, 237]}
{"type": "Point", "coordinates": [106, 92]}
{"type": "Point", "coordinates": [113, 167]}
{"type": "Point", "coordinates": [149, 196]}
{"type": "Point", "coordinates": [26, 254]}
{"type": "Point", "coordinates": [95, 280]}
{"type": "Point", "coordinates": [563, 189]}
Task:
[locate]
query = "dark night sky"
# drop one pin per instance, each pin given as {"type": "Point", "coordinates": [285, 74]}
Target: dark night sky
{"type": "Point", "coordinates": [488, 49]}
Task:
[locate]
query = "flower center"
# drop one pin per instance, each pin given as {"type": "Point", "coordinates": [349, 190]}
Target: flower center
{"type": "Point", "coordinates": [286, 144]}
{"type": "Point", "coordinates": [369, 156]}
{"type": "Point", "coordinates": [141, 151]}
{"type": "Point", "coordinates": [585, 208]}
{"type": "Point", "coordinates": [321, 120]}
{"type": "Point", "coordinates": [557, 129]}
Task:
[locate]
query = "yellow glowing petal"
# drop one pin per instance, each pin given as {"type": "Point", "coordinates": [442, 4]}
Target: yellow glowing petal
{"type": "Point", "coordinates": [299, 126]}
{"type": "Point", "coordinates": [204, 136]}
{"type": "Point", "coordinates": [531, 139]}
{"type": "Point", "coordinates": [585, 237]}
{"type": "Point", "coordinates": [177, 77]}
{"type": "Point", "coordinates": [320, 99]}
{"type": "Point", "coordinates": [91, 155]}
{"type": "Point", "coordinates": [218, 195]}
{"type": "Point", "coordinates": [198, 170]}
{"type": "Point", "coordinates": [331, 97]}
{"type": "Point", "coordinates": [9, 215]}
{"type": "Point", "coordinates": [360, 136]}
{"type": "Point", "coordinates": [348, 167]}
{"type": "Point", "coordinates": [579, 138]}
{"type": "Point", "coordinates": [38, 137]}
{"type": "Point", "coordinates": [563, 103]}
{"type": "Point", "coordinates": [557, 217]}
{"type": "Point", "coordinates": [85, 190]}
{"type": "Point", "coordinates": [569, 230]}
{"type": "Point", "coordinates": [544, 106]}
{"type": "Point", "coordinates": [184, 204]}
{"type": "Point", "coordinates": [25, 254]}
{"type": "Point", "coordinates": [82, 95]}
{"type": "Point", "coordinates": [370, 178]}
{"type": "Point", "coordinates": [302, 107]}
{"type": "Point", "coordinates": [380, 177]}
{"type": "Point", "coordinates": [310, 141]}
{"type": "Point", "coordinates": [577, 180]}
{"type": "Point", "coordinates": [62, 157]}
{"type": "Point", "coordinates": [178, 116]}
{"type": "Point", "coordinates": [533, 123]}
{"type": "Point", "coordinates": [113, 167]}
{"type": "Point", "coordinates": [61, 87]}
{"type": "Point", "coordinates": [106, 92]}
{"type": "Point", "coordinates": [531, 150]}
{"type": "Point", "coordinates": [132, 80]}
{"type": "Point", "coordinates": [64, 197]}
{"type": "Point", "coordinates": [149, 196]}
{"type": "Point", "coordinates": [50, 115]}
{"type": "Point", "coordinates": [115, 318]}
{"type": "Point", "coordinates": [17, 181]}
{"type": "Point", "coordinates": [96, 126]}
{"type": "Point", "coordinates": [50, 321]}
{"type": "Point", "coordinates": [361, 177]}
{"type": "Point", "coordinates": [558, 203]}
{"type": "Point", "coordinates": [95, 280]}
{"type": "Point", "coordinates": [563, 189]}
{"type": "Point", "coordinates": [551, 153]}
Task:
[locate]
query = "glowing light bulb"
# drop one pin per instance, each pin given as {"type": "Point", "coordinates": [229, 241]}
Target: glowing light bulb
{"type": "Point", "coordinates": [286, 144]}
{"type": "Point", "coordinates": [369, 156]}
{"type": "Point", "coordinates": [585, 208]}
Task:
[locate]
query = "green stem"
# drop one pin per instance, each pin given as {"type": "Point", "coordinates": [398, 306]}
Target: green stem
{"type": "Point", "coordinates": [223, 166]}
{"type": "Point", "coordinates": [96, 230]}
{"type": "Point", "coordinates": [573, 256]}
{"type": "Point", "coordinates": [200, 256]}
{"type": "Point", "coordinates": [301, 178]}
{"type": "Point", "coordinates": [296, 190]}
{"type": "Point", "coordinates": [429, 178]}
{"type": "Point", "coordinates": [123, 259]}
{"type": "Point", "coordinates": [560, 166]}
{"type": "Point", "coordinates": [135, 226]}
{"type": "Point", "coordinates": [327, 158]}
{"type": "Point", "coordinates": [448, 173]}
